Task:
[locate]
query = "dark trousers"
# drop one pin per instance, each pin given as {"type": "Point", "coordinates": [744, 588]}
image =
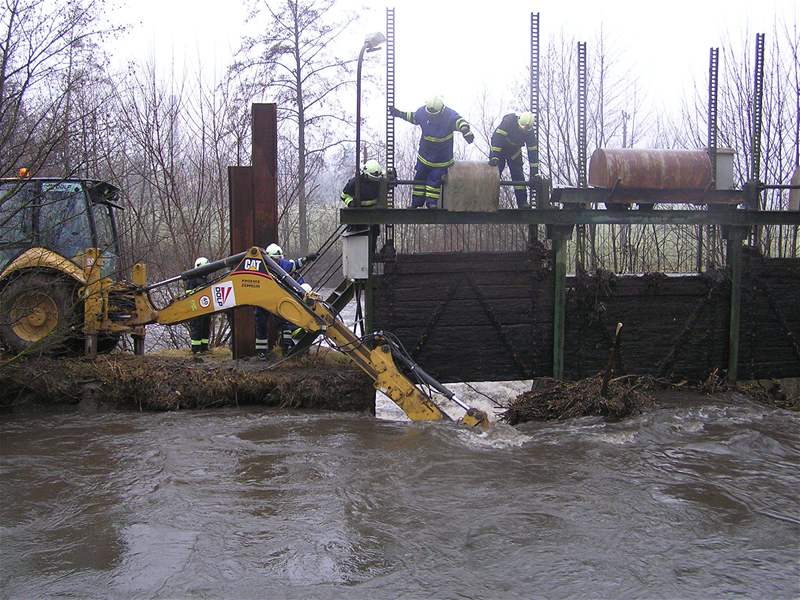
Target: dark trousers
{"type": "Point", "coordinates": [200, 331]}
{"type": "Point", "coordinates": [283, 328]}
{"type": "Point", "coordinates": [517, 174]}
{"type": "Point", "coordinates": [430, 192]}
{"type": "Point", "coordinates": [262, 331]}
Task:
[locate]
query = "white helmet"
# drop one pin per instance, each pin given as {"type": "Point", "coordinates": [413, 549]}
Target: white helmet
{"type": "Point", "coordinates": [372, 169]}
{"type": "Point", "coordinates": [274, 251]}
{"type": "Point", "coordinates": [434, 104]}
{"type": "Point", "coordinates": [525, 121]}
{"type": "Point", "coordinates": [306, 287]}
{"type": "Point", "coordinates": [200, 261]}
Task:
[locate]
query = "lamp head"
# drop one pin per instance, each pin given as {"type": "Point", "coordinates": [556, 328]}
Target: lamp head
{"type": "Point", "coordinates": [374, 40]}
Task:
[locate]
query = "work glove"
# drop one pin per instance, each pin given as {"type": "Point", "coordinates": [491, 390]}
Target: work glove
{"type": "Point", "coordinates": [394, 112]}
{"type": "Point", "coordinates": [311, 257]}
{"type": "Point", "coordinates": [469, 137]}
{"type": "Point", "coordinates": [494, 161]}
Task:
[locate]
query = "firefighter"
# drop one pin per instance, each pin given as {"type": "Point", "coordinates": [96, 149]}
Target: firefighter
{"type": "Point", "coordinates": [506, 148]}
{"type": "Point", "coordinates": [199, 328]}
{"type": "Point", "coordinates": [435, 155]}
{"type": "Point", "coordinates": [369, 191]}
{"type": "Point", "coordinates": [275, 252]}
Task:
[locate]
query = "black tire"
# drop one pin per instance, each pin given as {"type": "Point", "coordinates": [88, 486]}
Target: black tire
{"type": "Point", "coordinates": [41, 313]}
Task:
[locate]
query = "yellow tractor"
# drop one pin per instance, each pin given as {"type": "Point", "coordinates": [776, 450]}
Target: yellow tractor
{"type": "Point", "coordinates": [45, 226]}
{"type": "Point", "coordinates": [60, 290]}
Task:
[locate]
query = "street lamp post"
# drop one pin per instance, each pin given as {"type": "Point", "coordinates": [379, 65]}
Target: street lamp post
{"type": "Point", "coordinates": [372, 43]}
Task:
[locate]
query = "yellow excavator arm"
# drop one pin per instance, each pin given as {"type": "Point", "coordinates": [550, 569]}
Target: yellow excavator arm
{"type": "Point", "coordinates": [256, 280]}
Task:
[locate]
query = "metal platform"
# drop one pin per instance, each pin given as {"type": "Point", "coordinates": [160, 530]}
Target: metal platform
{"type": "Point", "coordinates": [569, 216]}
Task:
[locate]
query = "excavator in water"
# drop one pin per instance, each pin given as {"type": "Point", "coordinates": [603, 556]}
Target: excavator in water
{"type": "Point", "coordinates": [252, 278]}
{"type": "Point", "coordinates": [56, 295]}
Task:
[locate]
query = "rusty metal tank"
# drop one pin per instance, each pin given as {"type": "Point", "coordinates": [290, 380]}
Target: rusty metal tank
{"type": "Point", "coordinates": [629, 168]}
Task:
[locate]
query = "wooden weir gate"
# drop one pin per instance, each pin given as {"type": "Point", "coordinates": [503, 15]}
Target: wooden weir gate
{"type": "Point", "coordinates": [498, 316]}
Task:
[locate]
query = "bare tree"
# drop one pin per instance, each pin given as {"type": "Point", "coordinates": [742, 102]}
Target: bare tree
{"type": "Point", "coordinates": [296, 67]}
{"type": "Point", "coordinates": [46, 53]}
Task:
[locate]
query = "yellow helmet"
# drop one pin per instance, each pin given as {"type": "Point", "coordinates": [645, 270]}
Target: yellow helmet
{"type": "Point", "coordinates": [434, 104]}
{"type": "Point", "coordinates": [525, 121]}
{"type": "Point", "coordinates": [372, 169]}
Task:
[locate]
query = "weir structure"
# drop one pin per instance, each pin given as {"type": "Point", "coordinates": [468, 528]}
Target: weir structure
{"type": "Point", "coordinates": [503, 315]}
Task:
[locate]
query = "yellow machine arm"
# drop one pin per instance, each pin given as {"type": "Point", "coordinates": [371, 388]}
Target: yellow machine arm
{"type": "Point", "coordinates": [257, 280]}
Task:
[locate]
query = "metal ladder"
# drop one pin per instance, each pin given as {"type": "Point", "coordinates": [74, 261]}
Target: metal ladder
{"type": "Point", "coordinates": [337, 299]}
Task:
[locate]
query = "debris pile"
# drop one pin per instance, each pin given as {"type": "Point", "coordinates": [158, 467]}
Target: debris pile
{"type": "Point", "coordinates": [551, 399]}
{"type": "Point", "coordinates": [322, 381]}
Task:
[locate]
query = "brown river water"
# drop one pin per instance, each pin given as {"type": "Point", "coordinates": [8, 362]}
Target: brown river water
{"type": "Point", "coordinates": [687, 501]}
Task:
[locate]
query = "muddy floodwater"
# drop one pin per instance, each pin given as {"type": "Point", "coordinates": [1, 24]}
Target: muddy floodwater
{"type": "Point", "coordinates": [688, 501]}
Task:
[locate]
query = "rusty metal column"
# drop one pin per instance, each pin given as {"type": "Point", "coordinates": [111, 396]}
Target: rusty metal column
{"type": "Point", "coordinates": [240, 193]}
{"type": "Point", "coordinates": [253, 195]}
{"type": "Point", "coordinates": [265, 173]}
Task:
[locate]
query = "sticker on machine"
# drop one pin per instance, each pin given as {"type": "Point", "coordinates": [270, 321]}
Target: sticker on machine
{"type": "Point", "coordinates": [224, 296]}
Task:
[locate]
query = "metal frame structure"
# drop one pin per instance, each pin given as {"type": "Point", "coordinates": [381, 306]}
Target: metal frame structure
{"type": "Point", "coordinates": [560, 223]}
{"type": "Point", "coordinates": [577, 216]}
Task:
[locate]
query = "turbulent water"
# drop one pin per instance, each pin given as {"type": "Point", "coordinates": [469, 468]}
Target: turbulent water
{"type": "Point", "coordinates": [688, 501]}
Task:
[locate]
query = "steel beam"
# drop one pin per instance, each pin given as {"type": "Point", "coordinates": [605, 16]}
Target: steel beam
{"type": "Point", "coordinates": [242, 216]}
{"type": "Point", "coordinates": [558, 237]}
{"type": "Point", "coordinates": [265, 174]}
{"type": "Point", "coordinates": [735, 237]}
{"type": "Point", "coordinates": [410, 216]}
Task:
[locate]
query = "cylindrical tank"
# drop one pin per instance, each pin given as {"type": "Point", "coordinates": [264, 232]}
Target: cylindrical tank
{"type": "Point", "coordinates": [629, 168]}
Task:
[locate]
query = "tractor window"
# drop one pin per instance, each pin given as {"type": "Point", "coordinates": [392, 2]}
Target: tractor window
{"type": "Point", "coordinates": [16, 220]}
{"type": "Point", "coordinates": [105, 237]}
{"type": "Point", "coordinates": [63, 218]}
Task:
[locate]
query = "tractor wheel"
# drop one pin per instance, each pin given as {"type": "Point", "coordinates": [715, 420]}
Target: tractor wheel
{"type": "Point", "coordinates": [41, 313]}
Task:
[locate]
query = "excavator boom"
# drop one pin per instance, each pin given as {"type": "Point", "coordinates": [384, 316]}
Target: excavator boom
{"type": "Point", "coordinates": [257, 280]}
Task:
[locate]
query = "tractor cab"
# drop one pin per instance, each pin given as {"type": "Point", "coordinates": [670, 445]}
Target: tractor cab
{"type": "Point", "coordinates": [64, 216]}
{"type": "Point", "coordinates": [46, 227]}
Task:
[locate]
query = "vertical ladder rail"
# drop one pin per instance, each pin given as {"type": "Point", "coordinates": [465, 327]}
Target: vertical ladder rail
{"type": "Point", "coordinates": [755, 139]}
{"type": "Point", "coordinates": [390, 100]}
{"type": "Point", "coordinates": [533, 230]}
{"type": "Point", "coordinates": [758, 97]}
{"type": "Point", "coordinates": [580, 255]}
{"type": "Point", "coordinates": [713, 79]}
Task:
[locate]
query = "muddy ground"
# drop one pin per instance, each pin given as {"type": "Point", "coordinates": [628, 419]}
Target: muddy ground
{"type": "Point", "coordinates": [323, 381]}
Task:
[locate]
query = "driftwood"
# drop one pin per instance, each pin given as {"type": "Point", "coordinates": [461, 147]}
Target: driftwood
{"type": "Point", "coordinates": [551, 399]}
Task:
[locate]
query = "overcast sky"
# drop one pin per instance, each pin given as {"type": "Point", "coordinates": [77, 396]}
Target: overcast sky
{"type": "Point", "coordinates": [456, 48]}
